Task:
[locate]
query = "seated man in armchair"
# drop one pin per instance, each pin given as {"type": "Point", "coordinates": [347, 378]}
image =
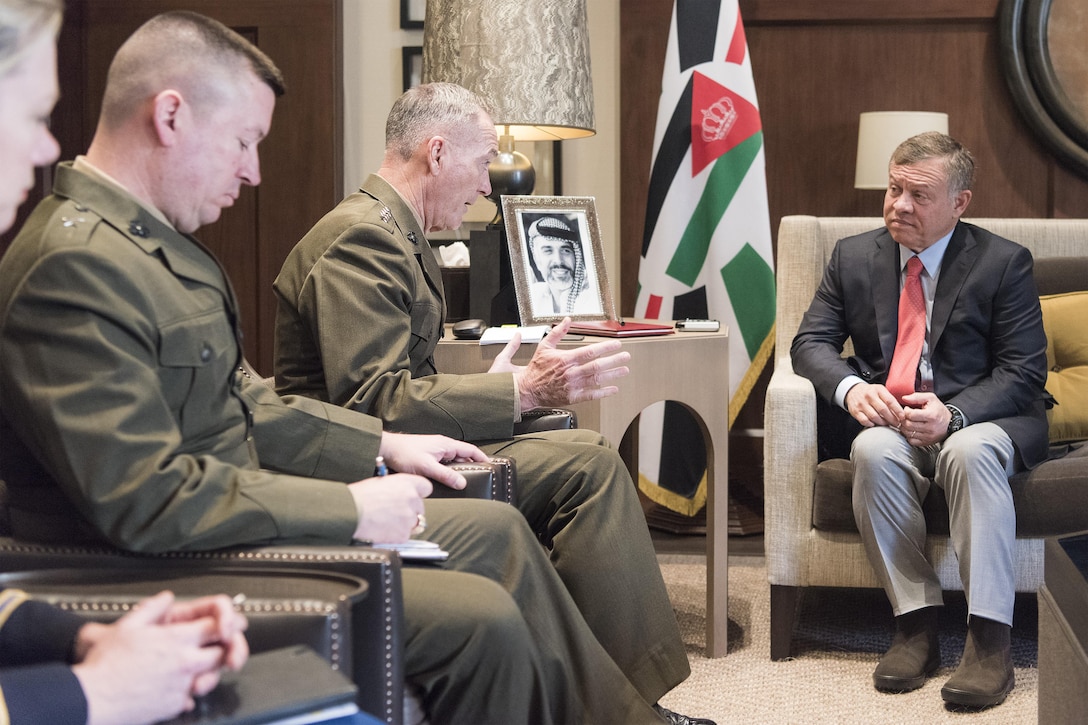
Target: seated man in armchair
{"type": "Point", "coordinates": [947, 381]}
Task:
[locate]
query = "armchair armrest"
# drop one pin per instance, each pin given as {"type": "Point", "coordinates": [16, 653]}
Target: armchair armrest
{"type": "Point", "coordinates": [542, 419]}
{"type": "Point", "coordinates": [377, 662]}
{"type": "Point", "coordinates": [285, 607]}
{"type": "Point", "coordinates": [789, 459]}
{"type": "Point", "coordinates": [494, 480]}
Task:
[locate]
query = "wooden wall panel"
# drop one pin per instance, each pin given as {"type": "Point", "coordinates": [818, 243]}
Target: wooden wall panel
{"type": "Point", "coordinates": [817, 65]}
{"type": "Point", "coordinates": [301, 160]}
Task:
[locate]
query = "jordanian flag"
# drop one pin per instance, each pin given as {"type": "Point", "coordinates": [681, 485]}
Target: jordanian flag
{"type": "Point", "coordinates": [706, 248]}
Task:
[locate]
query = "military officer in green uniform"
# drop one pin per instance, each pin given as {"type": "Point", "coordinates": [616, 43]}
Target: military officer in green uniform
{"type": "Point", "coordinates": [361, 311]}
{"type": "Point", "coordinates": [125, 420]}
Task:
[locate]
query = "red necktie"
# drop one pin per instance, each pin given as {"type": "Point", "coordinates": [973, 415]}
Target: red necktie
{"type": "Point", "coordinates": [912, 333]}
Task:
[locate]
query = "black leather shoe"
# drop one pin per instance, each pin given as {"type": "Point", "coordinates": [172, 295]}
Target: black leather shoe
{"type": "Point", "coordinates": [985, 675]}
{"type": "Point", "coordinates": [675, 718]}
{"type": "Point", "coordinates": [915, 653]}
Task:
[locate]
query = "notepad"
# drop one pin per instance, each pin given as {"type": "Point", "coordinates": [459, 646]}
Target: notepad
{"type": "Point", "coordinates": [286, 686]}
{"type": "Point", "coordinates": [503, 335]}
{"type": "Point", "coordinates": [416, 550]}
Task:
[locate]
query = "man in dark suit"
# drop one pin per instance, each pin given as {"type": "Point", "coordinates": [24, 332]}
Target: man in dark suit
{"type": "Point", "coordinates": [968, 411]}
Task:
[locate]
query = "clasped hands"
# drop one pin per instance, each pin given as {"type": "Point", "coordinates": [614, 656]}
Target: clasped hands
{"type": "Point", "coordinates": [151, 663]}
{"type": "Point", "coordinates": [921, 418]}
{"type": "Point", "coordinates": [564, 377]}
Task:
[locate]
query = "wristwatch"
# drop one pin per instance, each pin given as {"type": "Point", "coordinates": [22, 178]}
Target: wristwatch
{"type": "Point", "coordinates": [956, 423]}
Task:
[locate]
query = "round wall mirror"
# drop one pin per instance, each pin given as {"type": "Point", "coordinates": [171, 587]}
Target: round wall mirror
{"type": "Point", "coordinates": [1046, 68]}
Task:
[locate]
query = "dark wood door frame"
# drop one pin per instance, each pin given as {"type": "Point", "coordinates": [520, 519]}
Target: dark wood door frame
{"type": "Point", "coordinates": [301, 160]}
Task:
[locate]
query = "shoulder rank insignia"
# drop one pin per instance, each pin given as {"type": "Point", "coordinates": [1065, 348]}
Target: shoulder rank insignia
{"type": "Point", "coordinates": [386, 215]}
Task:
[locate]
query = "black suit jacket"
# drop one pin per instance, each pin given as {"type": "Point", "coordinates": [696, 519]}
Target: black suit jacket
{"type": "Point", "coordinates": [987, 345]}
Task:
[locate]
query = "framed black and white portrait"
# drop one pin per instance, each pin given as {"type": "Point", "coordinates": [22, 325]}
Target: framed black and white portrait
{"type": "Point", "coordinates": [557, 259]}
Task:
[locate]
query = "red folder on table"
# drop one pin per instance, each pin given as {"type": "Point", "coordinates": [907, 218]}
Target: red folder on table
{"type": "Point", "coordinates": [621, 328]}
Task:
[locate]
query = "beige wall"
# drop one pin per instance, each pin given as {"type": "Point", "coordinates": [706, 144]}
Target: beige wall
{"type": "Point", "coordinates": [372, 77]}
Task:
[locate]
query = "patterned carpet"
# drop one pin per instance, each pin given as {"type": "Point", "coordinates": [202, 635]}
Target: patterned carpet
{"type": "Point", "coordinates": [839, 637]}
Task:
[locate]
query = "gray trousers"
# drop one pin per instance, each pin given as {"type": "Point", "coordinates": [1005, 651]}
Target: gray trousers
{"type": "Point", "coordinates": [892, 478]}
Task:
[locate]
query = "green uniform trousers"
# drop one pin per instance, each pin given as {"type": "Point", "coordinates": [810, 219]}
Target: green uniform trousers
{"type": "Point", "coordinates": [578, 498]}
{"type": "Point", "coordinates": [532, 658]}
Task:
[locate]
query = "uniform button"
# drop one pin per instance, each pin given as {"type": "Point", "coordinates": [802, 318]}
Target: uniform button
{"type": "Point", "coordinates": [137, 229]}
{"type": "Point", "coordinates": [206, 353]}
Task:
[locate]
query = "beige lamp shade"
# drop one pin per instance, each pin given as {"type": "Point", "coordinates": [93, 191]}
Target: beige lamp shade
{"type": "Point", "coordinates": [529, 59]}
{"type": "Point", "coordinates": [880, 132]}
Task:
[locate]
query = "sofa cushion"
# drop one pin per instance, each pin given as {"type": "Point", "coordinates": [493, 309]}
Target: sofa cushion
{"type": "Point", "coordinates": [832, 509]}
{"type": "Point", "coordinates": [1050, 500]}
{"type": "Point", "coordinates": [1067, 364]}
{"type": "Point", "coordinates": [1056, 275]}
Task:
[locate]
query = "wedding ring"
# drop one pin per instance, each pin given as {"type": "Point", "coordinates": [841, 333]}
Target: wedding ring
{"type": "Point", "coordinates": [421, 525]}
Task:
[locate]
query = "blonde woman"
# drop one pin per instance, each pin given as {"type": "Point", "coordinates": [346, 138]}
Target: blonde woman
{"type": "Point", "coordinates": [56, 667]}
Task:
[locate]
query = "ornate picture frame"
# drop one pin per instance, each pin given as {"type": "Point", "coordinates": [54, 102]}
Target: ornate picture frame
{"type": "Point", "coordinates": [1041, 41]}
{"type": "Point", "coordinates": [557, 259]}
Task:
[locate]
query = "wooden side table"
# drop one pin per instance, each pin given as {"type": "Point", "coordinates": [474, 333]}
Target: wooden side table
{"type": "Point", "coordinates": [1063, 631]}
{"type": "Point", "coordinates": [691, 368]}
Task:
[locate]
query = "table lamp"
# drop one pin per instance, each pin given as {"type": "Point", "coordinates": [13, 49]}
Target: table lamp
{"type": "Point", "coordinates": [528, 60]}
{"type": "Point", "coordinates": [880, 132]}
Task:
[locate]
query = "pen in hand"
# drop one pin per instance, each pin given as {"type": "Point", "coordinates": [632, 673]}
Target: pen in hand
{"type": "Point", "coordinates": [421, 520]}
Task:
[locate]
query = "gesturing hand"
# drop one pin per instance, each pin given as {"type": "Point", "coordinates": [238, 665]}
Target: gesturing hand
{"type": "Point", "coordinates": [563, 377]}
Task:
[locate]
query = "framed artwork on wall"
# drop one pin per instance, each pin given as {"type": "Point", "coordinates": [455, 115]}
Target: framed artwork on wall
{"type": "Point", "coordinates": [557, 259]}
{"type": "Point", "coordinates": [412, 13]}
{"type": "Point", "coordinates": [411, 58]}
{"type": "Point", "coordinates": [1045, 68]}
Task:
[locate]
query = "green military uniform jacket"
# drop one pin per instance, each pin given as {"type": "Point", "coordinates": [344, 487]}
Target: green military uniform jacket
{"type": "Point", "coordinates": [124, 418]}
{"type": "Point", "coordinates": [361, 311]}
{"type": "Point", "coordinates": [122, 410]}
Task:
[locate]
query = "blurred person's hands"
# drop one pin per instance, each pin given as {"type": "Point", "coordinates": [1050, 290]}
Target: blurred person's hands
{"type": "Point", "coordinates": [151, 663]}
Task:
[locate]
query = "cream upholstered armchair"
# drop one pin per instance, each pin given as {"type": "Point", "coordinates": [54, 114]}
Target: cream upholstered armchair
{"type": "Point", "coordinates": [810, 536]}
